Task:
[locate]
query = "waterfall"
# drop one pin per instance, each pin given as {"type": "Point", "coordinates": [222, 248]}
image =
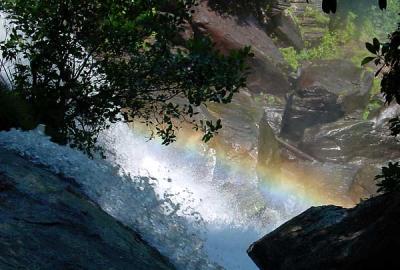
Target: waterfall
{"type": "Point", "coordinates": [168, 194]}
{"type": "Point", "coordinates": [196, 208]}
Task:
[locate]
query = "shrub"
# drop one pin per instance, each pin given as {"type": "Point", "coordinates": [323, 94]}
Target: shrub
{"type": "Point", "coordinates": [88, 63]}
{"type": "Point", "coordinates": [15, 112]}
{"type": "Point", "coordinates": [389, 179]}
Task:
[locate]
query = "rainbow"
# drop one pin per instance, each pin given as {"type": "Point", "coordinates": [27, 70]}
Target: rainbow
{"type": "Point", "coordinates": [308, 186]}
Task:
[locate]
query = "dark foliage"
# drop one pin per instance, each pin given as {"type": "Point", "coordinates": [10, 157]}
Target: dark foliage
{"type": "Point", "coordinates": [83, 64]}
{"type": "Point", "coordinates": [15, 112]}
{"type": "Point", "coordinates": [389, 179]}
{"type": "Point", "coordinates": [387, 58]}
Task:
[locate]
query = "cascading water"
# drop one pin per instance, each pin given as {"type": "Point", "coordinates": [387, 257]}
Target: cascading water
{"type": "Point", "coordinates": [198, 209]}
{"type": "Point", "coordinates": [167, 194]}
{"type": "Point", "coordinates": [186, 173]}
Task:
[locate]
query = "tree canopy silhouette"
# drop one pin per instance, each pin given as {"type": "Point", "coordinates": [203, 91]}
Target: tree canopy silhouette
{"type": "Point", "coordinates": [83, 64]}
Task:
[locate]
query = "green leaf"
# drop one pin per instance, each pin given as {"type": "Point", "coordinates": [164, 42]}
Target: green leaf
{"type": "Point", "coordinates": [377, 44]}
{"type": "Point", "coordinates": [366, 60]}
{"type": "Point", "coordinates": [371, 48]}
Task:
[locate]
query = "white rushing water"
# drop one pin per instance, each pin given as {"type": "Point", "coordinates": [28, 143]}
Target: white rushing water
{"type": "Point", "coordinates": [167, 194]}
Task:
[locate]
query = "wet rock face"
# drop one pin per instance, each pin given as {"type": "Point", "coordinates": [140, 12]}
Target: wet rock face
{"type": "Point", "coordinates": [350, 140]}
{"type": "Point", "coordinates": [330, 237]}
{"type": "Point", "coordinates": [273, 115]}
{"type": "Point", "coordinates": [340, 77]}
{"type": "Point", "coordinates": [239, 124]}
{"type": "Point", "coordinates": [327, 91]}
{"type": "Point", "coordinates": [307, 108]}
{"type": "Point", "coordinates": [364, 185]}
{"type": "Point", "coordinates": [47, 223]}
{"type": "Point", "coordinates": [269, 155]}
{"type": "Point", "coordinates": [230, 32]}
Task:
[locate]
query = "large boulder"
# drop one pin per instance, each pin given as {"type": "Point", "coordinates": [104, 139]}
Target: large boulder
{"type": "Point", "coordinates": [46, 222]}
{"type": "Point", "coordinates": [350, 140]}
{"type": "Point", "coordinates": [230, 32]}
{"type": "Point", "coordinates": [309, 107]}
{"type": "Point", "coordinates": [286, 29]}
{"type": "Point", "coordinates": [239, 134]}
{"type": "Point", "coordinates": [331, 238]}
{"type": "Point", "coordinates": [350, 83]}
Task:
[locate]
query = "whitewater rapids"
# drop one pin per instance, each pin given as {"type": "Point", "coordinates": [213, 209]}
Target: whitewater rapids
{"type": "Point", "coordinates": [167, 194]}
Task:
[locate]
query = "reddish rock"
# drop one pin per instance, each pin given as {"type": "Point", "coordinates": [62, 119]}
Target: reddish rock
{"type": "Point", "coordinates": [230, 32]}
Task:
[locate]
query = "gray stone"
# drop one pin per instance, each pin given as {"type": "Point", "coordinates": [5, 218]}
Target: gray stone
{"type": "Point", "coordinates": [348, 82]}
{"type": "Point", "coordinates": [46, 222]}
{"type": "Point", "coordinates": [350, 140]}
{"type": "Point", "coordinates": [307, 108]}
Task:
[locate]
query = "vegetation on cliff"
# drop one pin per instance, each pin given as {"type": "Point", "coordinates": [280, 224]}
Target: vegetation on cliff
{"type": "Point", "coordinates": [387, 58]}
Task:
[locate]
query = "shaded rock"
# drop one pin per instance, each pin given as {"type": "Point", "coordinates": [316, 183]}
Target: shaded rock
{"type": "Point", "coordinates": [228, 32]}
{"type": "Point", "coordinates": [46, 222]}
{"type": "Point", "coordinates": [350, 140]}
{"type": "Point", "coordinates": [287, 31]}
{"type": "Point", "coordinates": [351, 84]}
{"type": "Point", "coordinates": [240, 120]}
{"type": "Point", "coordinates": [269, 153]}
{"type": "Point", "coordinates": [364, 184]}
{"type": "Point", "coordinates": [331, 237]}
{"type": "Point", "coordinates": [307, 108]}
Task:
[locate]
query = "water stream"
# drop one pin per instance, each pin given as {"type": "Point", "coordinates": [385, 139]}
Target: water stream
{"type": "Point", "coordinates": [168, 194]}
{"type": "Point", "coordinates": [198, 207]}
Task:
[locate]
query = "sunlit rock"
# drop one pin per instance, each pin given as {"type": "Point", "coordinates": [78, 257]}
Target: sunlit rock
{"type": "Point", "coordinates": [230, 32]}
{"type": "Point", "coordinates": [350, 83]}
{"type": "Point", "coordinates": [350, 140]}
{"type": "Point", "coordinates": [286, 29]}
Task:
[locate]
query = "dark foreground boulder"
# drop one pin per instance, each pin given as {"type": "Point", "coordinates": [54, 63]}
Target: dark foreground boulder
{"type": "Point", "coordinates": [331, 237]}
{"type": "Point", "coordinates": [47, 223]}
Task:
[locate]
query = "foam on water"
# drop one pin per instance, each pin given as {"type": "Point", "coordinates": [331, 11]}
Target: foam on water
{"type": "Point", "coordinates": [188, 174]}
{"type": "Point", "coordinates": [167, 194]}
{"type": "Point", "coordinates": [181, 213]}
{"type": "Point", "coordinates": [132, 200]}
